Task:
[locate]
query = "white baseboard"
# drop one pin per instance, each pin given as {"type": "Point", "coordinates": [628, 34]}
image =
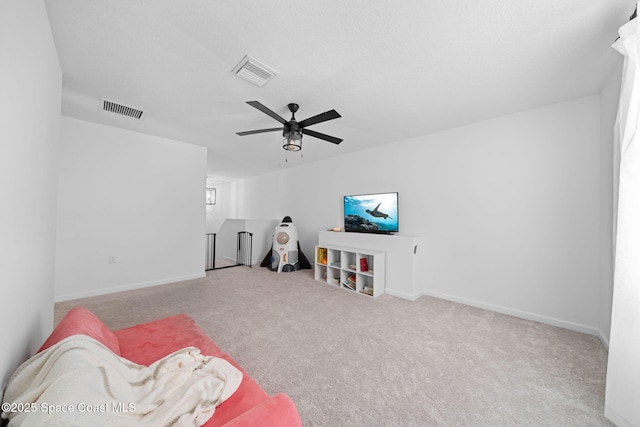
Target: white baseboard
{"type": "Point", "coordinates": [129, 287]}
{"type": "Point", "coordinates": [604, 340]}
{"type": "Point", "coordinates": [403, 295]}
{"type": "Point", "coordinates": [524, 315]}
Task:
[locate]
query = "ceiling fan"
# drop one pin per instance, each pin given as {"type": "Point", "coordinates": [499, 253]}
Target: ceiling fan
{"type": "Point", "coordinates": [293, 130]}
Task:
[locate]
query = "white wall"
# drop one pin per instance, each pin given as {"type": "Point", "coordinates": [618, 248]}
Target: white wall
{"type": "Point", "coordinates": [30, 82]}
{"type": "Point", "coordinates": [137, 197]}
{"type": "Point", "coordinates": [609, 171]}
{"type": "Point", "coordinates": [508, 208]}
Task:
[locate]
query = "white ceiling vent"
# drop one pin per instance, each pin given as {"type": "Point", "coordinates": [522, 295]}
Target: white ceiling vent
{"type": "Point", "coordinates": [122, 109]}
{"type": "Point", "coordinates": [253, 71]}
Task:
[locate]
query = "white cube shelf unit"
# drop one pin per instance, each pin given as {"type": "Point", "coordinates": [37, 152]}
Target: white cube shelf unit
{"type": "Point", "coordinates": [356, 270]}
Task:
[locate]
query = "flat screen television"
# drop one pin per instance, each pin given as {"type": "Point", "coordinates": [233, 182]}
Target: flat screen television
{"type": "Point", "coordinates": [371, 213]}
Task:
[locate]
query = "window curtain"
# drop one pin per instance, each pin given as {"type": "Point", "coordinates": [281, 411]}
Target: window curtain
{"type": "Point", "coordinates": [622, 400]}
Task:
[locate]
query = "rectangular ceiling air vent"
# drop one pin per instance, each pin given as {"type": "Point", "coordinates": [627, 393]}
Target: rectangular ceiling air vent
{"type": "Point", "coordinates": [122, 109]}
{"type": "Point", "coordinates": [253, 71]}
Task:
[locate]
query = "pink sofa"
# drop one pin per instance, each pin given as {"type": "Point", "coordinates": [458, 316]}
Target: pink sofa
{"type": "Point", "coordinates": [148, 342]}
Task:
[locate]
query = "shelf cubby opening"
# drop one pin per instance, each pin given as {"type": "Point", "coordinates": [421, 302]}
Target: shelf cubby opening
{"type": "Point", "coordinates": [321, 256]}
{"type": "Point", "coordinates": [348, 261]}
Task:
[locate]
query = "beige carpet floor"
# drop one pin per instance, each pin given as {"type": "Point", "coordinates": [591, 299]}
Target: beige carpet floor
{"type": "Point", "coordinates": [350, 360]}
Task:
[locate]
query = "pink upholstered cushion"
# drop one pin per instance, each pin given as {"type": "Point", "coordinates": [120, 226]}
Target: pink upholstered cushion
{"type": "Point", "coordinates": [80, 320]}
{"type": "Point", "coordinates": [147, 342]}
{"type": "Point", "coordinates": [277, 411]}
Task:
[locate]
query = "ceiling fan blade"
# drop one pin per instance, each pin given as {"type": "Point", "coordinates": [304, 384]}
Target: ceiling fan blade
{"type": "Point", "coordinates": [322, 117]}
{"type": "Point", "coordinates": [251, 132]}
{"type": "Point", "coordinates": [267, 111]}
{"type": "Point", "coordinates": [321, 136]}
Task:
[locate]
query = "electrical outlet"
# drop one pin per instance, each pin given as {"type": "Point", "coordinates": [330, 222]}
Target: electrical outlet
{"type": "Point", "coordinates": [112, 259]}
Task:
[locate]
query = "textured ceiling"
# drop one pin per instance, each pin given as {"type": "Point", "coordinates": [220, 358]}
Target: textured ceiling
{"type": "Point", "coordinates": [393, 70]}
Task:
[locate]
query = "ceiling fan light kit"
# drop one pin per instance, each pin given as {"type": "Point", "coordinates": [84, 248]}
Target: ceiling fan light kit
{"type": "Point", "coordinates": [293, 130]}
{"type": "Point", "coordinates": [292, 141]}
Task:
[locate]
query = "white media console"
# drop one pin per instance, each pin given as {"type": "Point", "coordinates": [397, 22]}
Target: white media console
{"type": "Point", "coordinates": [401, 278]}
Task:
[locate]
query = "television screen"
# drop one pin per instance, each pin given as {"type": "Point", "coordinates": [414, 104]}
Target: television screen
{"type": "Point", "coordinates": [371, 213]}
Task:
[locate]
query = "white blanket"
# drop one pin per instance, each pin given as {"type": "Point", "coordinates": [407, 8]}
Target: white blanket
{"type": "Point", "coordinates": [80, 382]}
